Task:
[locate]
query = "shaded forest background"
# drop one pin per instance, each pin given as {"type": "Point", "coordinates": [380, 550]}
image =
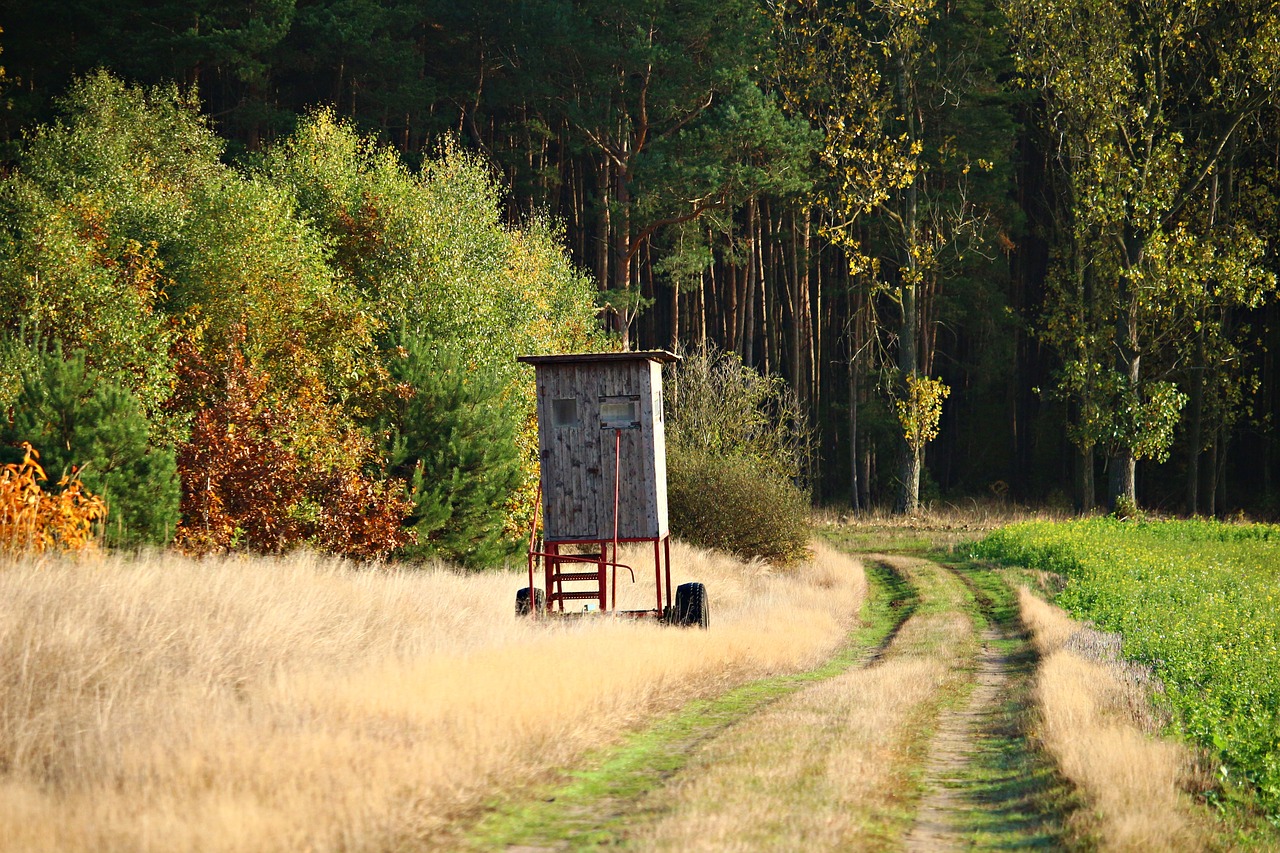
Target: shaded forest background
{"type": "Point", "coordinates": [1064, 210]}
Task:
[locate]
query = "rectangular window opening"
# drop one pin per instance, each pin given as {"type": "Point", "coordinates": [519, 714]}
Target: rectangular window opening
{"type": "Point", "coordinates": [622, 412]}
{"type": "Point", "coordinates": [564, 413]}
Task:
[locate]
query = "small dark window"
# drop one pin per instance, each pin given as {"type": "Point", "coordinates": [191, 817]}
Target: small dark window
{"type": "Point", "coordinates": [564, 413]}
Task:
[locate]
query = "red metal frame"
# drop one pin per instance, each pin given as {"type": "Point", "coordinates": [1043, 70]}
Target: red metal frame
{"type": "Point", "coordinates": [604, 557]}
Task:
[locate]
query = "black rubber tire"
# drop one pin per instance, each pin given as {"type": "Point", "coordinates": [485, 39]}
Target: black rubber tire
{"type": "Point", "coordinates": [692, 607]}
{"type": "Point", "coordinates": [522, 601]}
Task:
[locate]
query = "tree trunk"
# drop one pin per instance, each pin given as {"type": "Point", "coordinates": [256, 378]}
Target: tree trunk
{"type": "Point", "coordinates": [751, 288]}
{"type": "Point", "coordinates": [1088, 489]}
{"type": "Point", "coordinates": [1122, 480]}
{"type": "Point", "coordinates": [1123, 476]}
{"type": "Point", "coordinates": [622, 258]}
{"type": "Point", "coordinates": [1195, 433]}
{"type": "Point", "coordinates": [854, 491]}
{"type": "Point", "coordinates": [1211, 493]}
{"type": "Point", "coordinates": [792, 330]}
{"type": "Point", "coordinates": [604, 230]}
{"type": "Point", "coordinates": [718, 307]}
{"type": "Point", "coordinates": [908, 500]}
{"type": "Point", "coordinates": [673, 340]}
{"type": "Point", "coordinates": [806, 382]}
{"type": "Point", "coordinates": [700, 312]}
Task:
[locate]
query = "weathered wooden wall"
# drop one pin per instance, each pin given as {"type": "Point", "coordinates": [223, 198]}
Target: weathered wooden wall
{"type": "Point", "coordinates": [581, 460]}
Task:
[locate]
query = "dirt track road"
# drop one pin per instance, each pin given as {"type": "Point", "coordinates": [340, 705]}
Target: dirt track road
{"type": "Point", "coordinates": [914, 743]}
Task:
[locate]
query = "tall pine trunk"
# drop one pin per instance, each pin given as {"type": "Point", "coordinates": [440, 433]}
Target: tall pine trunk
{"type": "Point", "coordinates": [908, 500]}
{"type": "Point", "coordinates": [1122, 479]}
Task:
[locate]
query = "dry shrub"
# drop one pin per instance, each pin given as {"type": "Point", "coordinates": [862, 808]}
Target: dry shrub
{"type": "Point", "coordinates": [34, 520]}
{"type": "Point", "coordinates": [284, 704]}
{"type": "Point", "coordinates": [736, 504]}
{"type": "Point", "coordinates": [1098, 722]}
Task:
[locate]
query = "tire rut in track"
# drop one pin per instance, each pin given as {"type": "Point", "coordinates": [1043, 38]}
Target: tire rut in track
{"type": "Point", "coordinates": [939, 820]}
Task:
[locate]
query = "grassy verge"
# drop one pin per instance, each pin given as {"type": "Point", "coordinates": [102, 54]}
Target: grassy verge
{"type": "Point", "coordinates": [597, 805]}
{"type": "Point", "coordinates": [1194, 601]}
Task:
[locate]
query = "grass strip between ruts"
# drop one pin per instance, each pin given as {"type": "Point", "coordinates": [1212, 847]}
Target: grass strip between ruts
{"type": "Point", "coordinates": [1019, 799]}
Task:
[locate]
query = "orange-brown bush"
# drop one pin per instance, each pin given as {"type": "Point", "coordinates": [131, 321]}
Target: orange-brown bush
{"type": "Point", "coordinates": [32, 519]}
{"type": "Point", "coordinates": [242, 486]}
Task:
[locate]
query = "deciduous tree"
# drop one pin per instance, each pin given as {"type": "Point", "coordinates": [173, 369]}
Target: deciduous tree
{"type": "Point", "coordinates": [1148, 101]}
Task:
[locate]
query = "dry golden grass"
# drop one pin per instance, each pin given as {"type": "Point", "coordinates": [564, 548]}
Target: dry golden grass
{"type": "Point", "coordinates": [297, 704]}
{"type": "Point", "coordinates": [1098, 723]}
{"type": "Point", "coordinates": [831, 767]}
{"type": "Point", "coordinates": [969, 515]}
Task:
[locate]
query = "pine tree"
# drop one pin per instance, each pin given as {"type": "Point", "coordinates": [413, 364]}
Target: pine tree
{"type": "Point", "coordinates": [80, 419]}
{"type": "Point", "coordinates": [452, 438]}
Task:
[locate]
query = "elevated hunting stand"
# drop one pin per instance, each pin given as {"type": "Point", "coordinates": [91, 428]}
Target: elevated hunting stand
{"type": "Point", "coordinates": [603, 455]}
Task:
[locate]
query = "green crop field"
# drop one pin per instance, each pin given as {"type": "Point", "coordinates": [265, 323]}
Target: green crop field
{"type": "Point", "coordinates": [1197, 601]}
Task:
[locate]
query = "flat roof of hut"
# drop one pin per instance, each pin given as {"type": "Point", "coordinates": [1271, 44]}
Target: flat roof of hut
{"type": "Point", "coordinates": [600, 424]}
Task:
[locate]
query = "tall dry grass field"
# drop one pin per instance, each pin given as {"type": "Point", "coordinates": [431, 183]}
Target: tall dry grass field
{"type": "Point", "coordinates": [299, 704]}
{"type": "Point", "coordinates": [1098, 723]}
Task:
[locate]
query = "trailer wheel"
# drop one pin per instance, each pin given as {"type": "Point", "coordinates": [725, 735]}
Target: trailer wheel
{"type": "Point", "coordinates": [691, 606]}
{"type": "Point", "coordinates": [522, 601]}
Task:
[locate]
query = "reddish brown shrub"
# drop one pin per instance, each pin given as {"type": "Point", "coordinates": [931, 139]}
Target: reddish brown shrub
{"type": "Point", "coordinates": [244, 487]}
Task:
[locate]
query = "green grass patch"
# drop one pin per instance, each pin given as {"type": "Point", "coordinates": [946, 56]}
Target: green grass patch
{"type": "Point", "coordinates": [595, 806]}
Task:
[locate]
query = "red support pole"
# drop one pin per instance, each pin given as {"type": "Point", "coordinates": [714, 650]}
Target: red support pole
{"type": "Point", "coordinates": [533, 535]}
{"type": "Point", "coordinates": [602, 576]}
{"type": "Point", "coordinates": [666, 546]}
{"type": "Point", "coordinates": [617, 489]}
{"type": "Point", "coordinates": [551, 563]}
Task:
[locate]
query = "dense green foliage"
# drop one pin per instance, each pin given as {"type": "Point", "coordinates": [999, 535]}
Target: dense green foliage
{"type": "Point", "coordinates": [453, 440]}
{"type": "Point", "coordinates": [1197, 601]}
{"type": "Point", "coordinates": [78, 421]}
{"type": "Point", "coordinates": [251, 320]}
{"type": "Point", "coordinates": [735, 504]}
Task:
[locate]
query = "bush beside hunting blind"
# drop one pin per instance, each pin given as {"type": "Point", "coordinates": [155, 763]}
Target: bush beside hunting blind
{"type": "Point", "coordinates": [602, 450]}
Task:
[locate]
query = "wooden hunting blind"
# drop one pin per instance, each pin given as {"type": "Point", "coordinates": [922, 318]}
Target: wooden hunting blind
{"type": "Point", "coordinates": [584, 401]}
{"type": "Point", "coordinates": [602, 450]}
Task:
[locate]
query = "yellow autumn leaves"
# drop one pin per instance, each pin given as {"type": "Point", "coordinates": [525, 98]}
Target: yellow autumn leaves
{"type": "Point", "coordinates": [35, 520]}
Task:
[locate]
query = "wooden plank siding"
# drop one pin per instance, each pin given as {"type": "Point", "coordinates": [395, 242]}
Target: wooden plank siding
{"type": "Point", "coordinates": [578, 459]}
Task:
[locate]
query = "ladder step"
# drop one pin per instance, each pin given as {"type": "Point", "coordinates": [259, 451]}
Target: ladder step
{"type": "Point", "coordinates": [575, 576]}
{"type": "Point", "coordinates": [573, 596]}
